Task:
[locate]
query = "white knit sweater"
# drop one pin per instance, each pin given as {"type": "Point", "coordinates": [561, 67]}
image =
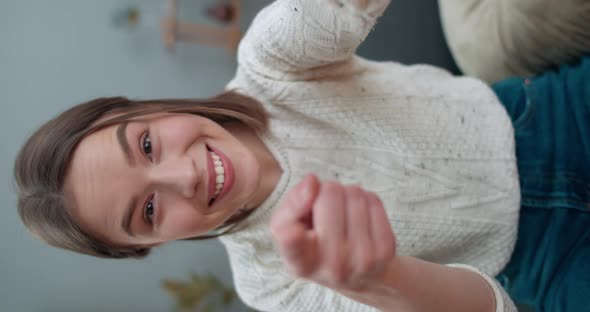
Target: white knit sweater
{"type": "Point", "coordinates": [439, 150]}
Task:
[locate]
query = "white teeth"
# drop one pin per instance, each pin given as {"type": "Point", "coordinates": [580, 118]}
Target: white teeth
{"type": "Point", "coordinates": [219, 171]}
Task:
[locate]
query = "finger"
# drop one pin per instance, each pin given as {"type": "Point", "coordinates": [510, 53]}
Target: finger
{"type": "Point", "coordinates": [382, 236]}
{"type": "Point", "coordinates": [329, 218]}
{"type": "Point", "coordinates": [298, 248]}
{"type": "Point", "coordinates": [359, 231]}
{"type": "Point", "coordinates": [297, 203]}
{"type": "Point", "coordinates": [293, 238]}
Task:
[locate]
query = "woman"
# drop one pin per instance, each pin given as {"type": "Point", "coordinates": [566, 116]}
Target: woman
{"type": "Point", "coordinates": [393, 149]}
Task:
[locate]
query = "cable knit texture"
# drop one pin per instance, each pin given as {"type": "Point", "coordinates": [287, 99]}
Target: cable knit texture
{"type": "Point", "coordinates": [437, 149]}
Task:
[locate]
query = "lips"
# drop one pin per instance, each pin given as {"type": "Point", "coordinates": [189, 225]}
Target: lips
{"type": "Point", "coordinates": [228, 179]}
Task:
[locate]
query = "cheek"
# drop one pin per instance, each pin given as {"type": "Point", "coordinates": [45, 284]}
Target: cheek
{"type": "Point", "coordinates": [179, 222]}
{"type": "Point", "coordinates": [186, 124]}
{"type": "Point", "coordinates": [185, 131]}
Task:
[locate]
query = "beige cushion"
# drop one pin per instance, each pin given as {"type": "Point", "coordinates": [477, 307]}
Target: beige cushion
{"type": "Point", "coordinates": [496, 39]}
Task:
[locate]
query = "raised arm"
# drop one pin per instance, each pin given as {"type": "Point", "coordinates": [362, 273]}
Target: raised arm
{"type": "Point", "coordinates": [289, 37]}
{"type": "Point", "coordinates": [350, 248]}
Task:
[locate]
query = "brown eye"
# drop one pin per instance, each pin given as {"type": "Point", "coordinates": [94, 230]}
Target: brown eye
{"type": "Point", "coordinates": [149, 211]}
{"type": "Point", "coordinates": [146, 145]}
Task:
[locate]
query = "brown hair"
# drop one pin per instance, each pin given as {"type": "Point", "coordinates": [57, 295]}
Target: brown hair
{"type": "Point", "coordinates": [41, 165]}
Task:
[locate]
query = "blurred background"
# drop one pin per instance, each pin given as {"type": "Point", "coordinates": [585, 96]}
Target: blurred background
{"type": "Point", "coordinates": [55, 54]}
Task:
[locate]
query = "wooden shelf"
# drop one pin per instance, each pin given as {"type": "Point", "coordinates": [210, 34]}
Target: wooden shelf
{"type": "Point", "coordinates": [174, 30]}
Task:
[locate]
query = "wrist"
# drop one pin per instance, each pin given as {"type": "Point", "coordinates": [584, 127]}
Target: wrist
{"type": "Point", "coordinates": [382, 291]}
{"type": "Point", "coordinates": [411, 284]}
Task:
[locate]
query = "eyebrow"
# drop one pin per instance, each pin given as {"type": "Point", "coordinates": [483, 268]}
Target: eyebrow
{"type": "Point", "coordinates": [126, 223]}
{"type": "Point", "coordinates": [122, 139]}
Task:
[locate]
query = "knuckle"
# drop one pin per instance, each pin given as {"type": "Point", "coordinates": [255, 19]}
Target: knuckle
{"type": "Point", "coordinates": [366, 264]}
{"type": "Point", "coordinates": [355, 194]}
{"type": "Point", "coordinates": [382, 255]}
{"type": "Point", "coordinates": [336, 270]}
{"type": "Point", "coordinates": [337, 275]}
{"type": "Point", "coordinates": [331, 192]}
{"type": "Point", "coordinates": [354, 189]}
{"type": "Point", "coordinates": [332, 187]}
{"type": "Point", "coordinates": [386, 254]}
{"type": "Point", "coordinates": [384, 231]}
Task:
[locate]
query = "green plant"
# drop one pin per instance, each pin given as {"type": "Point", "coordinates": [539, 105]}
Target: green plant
{"type": "Point", "coordinates": [199, 293]}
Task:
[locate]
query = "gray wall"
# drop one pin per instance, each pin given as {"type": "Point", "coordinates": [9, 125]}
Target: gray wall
{"type": "Point", "coordinates": [54, 54]}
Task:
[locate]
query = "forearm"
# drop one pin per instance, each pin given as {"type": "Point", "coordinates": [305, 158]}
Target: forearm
{"type": "Point", "coordinates": [410, 284]}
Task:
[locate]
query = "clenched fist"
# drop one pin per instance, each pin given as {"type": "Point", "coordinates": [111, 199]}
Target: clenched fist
{"type": "Point", "coordinates": [335, 235]}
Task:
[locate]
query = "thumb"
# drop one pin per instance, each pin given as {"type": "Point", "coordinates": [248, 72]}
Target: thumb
{"type": "Point", "coordinates": [298, 203]}
{"type": "Point", "coordinates": [307, 192]}
{"type": "Point", "coordinates": [296, 243]}
{"type": "Point", "coordinates": [298, 248]}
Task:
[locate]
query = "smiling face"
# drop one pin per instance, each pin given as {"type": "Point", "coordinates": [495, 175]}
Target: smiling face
{"type": "Point", "coordinates": [154, 179]}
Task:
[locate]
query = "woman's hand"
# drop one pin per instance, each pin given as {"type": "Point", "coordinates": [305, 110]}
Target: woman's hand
{"type": "Point", "coordinates": [335, 235]}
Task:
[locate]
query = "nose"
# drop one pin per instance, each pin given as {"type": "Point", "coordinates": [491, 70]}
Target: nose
{"type": "Point", "coordinates": [178, 174]}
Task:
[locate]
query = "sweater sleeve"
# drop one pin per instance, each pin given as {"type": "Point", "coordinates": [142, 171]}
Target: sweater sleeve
{"type": "Point", "coordinates": [503, 301]}
{"type": "Point", "coordinates": [275, 291]}
{"type": "Point", "coordinates": [263, 284]}
{"type": "Point", "coordinates": [271, 293]}
{"type": "Point", "coordinates": [289, 37]}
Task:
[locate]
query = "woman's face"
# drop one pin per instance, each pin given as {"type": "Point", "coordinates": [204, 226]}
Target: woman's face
{"type": "Point", "coordinates": [152, 180]}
